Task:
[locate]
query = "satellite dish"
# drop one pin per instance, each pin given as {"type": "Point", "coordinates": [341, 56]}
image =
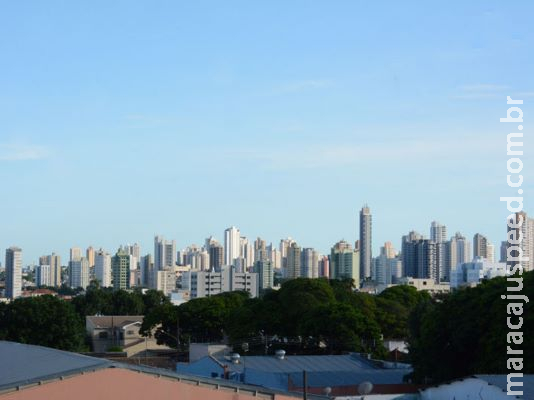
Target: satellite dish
{"type": "Point", "coordinates": [365, 388]}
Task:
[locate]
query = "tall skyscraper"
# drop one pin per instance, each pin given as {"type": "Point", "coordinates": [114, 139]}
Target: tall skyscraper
{"type": "Point", "coordinates": [293, 268]}
{"type": "Point", "coordinates": [75, 254]}
{"type": "Point", "coordinates": [423, 258]}
{"type": "Point", "coordinates": [345, 262]}
{"type": "Point", "coordinates": [264, 269]}
{"type": "Point", "coordinates": [438, 232]}
{"type": "Point", "coordinates": [523, 233]}
{"type": "Point", "coordinates": [79, 273]}
{"type": "Point", "coordinates": [246, 254]}
{"type": "Point", "coordinates": [482, 247]}
{"type": "Point", "coordinates": [284, 246]}
{"type": "Point", "coordinates": [42, 275]}
{"type": "Point", "coordinates": [164, 253]}
{"type": "Point", "coordinates": [459, 250]}
{"type": "Point", "coordinates": [120, 270]}
{"type": "Point", "coordinates": [366, 242]}
{"type": "Point", "coordinates": [90, 255]}
{"type": "Point", "coordinates": [309, 263]}
{"type": "Point", "coordinates": [147, 271]}
{"type": "Point", "coordinates": [409, 256]}
{"type": "Point", "coordinates": [13, 272]}
{"type": "Point", "coordinates": [232, 242]}
{"type": "Point", "coordinates": [54, 262]}
{"type": "Point", "coordinates": [490, 252]}
{"type": "Point", "coordinates": [216, 256]}
{"type": "Point", "coordinates": [502, 251]}
{"type": "Point", "coordinates": [387, 267]}
{"type": "Point", "coordinates": [103, 268]}
{"type": "Point", "coordinates": [324, 267]}
{"type": "Point", "coordinates": [260, 250]}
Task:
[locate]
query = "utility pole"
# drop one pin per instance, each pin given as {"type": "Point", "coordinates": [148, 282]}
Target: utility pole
{"type": "Point", "coordinates": [305, 384]}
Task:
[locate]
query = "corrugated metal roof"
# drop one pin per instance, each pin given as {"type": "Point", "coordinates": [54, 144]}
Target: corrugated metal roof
{"type": "Point", "coordinates": [501, 382]}
{"type": "Point", "coordinates": [24, 364]}
{"type": "Point", "coordinates": [290, 364]}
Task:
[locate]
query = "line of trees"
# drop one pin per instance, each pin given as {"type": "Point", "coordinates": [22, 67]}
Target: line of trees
{"type": "Point", "coordinates": [449, 337]}
{"type": "Point", "coordinates": [306, 316]}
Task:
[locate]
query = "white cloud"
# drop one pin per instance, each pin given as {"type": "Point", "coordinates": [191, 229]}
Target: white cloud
{"type": "Point", "coordinates": [22, 152]}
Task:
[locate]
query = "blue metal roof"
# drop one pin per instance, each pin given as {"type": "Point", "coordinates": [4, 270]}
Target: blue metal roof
{"type": "Point", "coordinates": [24, 364]}
{"type": "Point", "coordinates": [501, 382]}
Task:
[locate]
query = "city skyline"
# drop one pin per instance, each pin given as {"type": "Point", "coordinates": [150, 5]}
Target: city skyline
{"type": "Point", "coordinates": [148, 247]}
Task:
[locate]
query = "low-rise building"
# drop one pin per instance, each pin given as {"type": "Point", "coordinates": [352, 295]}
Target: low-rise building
{"type": "Point", "coordinates": [113, 331]}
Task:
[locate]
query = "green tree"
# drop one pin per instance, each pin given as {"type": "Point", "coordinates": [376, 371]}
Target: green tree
{"type": "Point", "coordinates": [43, 320]}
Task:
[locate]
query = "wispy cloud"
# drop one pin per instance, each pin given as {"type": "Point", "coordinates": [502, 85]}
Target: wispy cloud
{"type": "Point", "coordinates": [22, 152]}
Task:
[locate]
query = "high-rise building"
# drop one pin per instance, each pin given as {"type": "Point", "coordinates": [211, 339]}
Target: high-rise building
{"type": "Point", "coordinates": [54, 262]}
{"type": "Point", "coordinates": [490, 252]}
{"type": "Point", "coordinates": [232, 241]}
{"type": "Point", "coordinates": [458, 251]}
{"type": "Point", "coordinates": [79, 273]}
{"type": "Point", "coordinates": [423, 258]}
{"type": "Point", "coordinates": [165, 281]}
{"type": "Point", "coordinates": [120, 270]}
{"type": "Point", "coordinates": [309, 263]}
{"type": "Point", "coordinates": [438, 232]}
{"type": "Point", "coordinates": [293, 268]}
{"type": "Point", "coordinates": [75, 254]}
{"type": "Point", "coordinates": [345, 262]}
{"type": "Point", "coordinates": [265, 272]}
{"type": "Point", "coordinates": [482, 247]}
{"type": "Point", "coordinates": [90, 255]}
{"type": "Point", "coordinates": [13, 272]}
{"type": "Point", "coordinates": [246, 255]}
{"type": "Point", "coordinates": [366, 242]}
{"type": "Point", "coordinates": [216, 253]}
{"type": "Point", "coordinates": [523, 233]}
{"type": "Point", "coordinates": [276, 257]}
{"type": "Point", "coordinates": [324, 267]}
{"type": "Point", "coordinates": [502, 251]}
{"type": "Point", "coordinates": [260, 250]}
{"type": "Point", "coordinates": [42, 275]}
{"type": "Point", "coordinates": [196, 257]}
{"type": "Point", "coordinates": [103, 268]}
{"type": "Point", "coordinates": [147, 271]}
{"type": "Point", "coordinates": [409, 257]}
{"type": "Point", "coordinates": [284, 246]}
{"type": "Point", "coordinates": [164, 253]}
{"type": "Point", "coordinates": [387, 267]}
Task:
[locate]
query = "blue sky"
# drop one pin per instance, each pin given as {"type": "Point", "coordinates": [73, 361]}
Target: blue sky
{"type": "Point", "coordinates": [120, 120]}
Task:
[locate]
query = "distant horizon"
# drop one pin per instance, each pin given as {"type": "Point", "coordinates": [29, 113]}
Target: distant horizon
{"type": "Point", "coordinates": [149, 244]}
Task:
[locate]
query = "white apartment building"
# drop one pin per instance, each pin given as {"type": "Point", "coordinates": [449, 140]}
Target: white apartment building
{"type": "Point", "coordinates": [472, 273]}
{"type": "Point", "coordinates": [204, 283]}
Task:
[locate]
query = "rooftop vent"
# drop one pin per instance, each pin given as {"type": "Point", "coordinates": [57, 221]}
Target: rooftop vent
{"type": "Point", "coordinates": [280, 354]}
{"type": "Point", "coordinates": [235, 358]}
